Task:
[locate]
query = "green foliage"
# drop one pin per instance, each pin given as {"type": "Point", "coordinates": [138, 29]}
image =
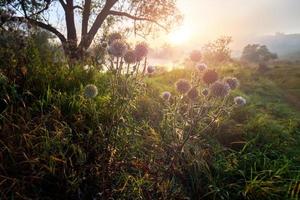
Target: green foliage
{"type": "Point", "coordinates": [257, 53]}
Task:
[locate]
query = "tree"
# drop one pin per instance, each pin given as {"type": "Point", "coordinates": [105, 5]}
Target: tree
{"type": "Point", "coordinates": [93, 15]}
{"type": "Point", "coordinates": [257, 53]}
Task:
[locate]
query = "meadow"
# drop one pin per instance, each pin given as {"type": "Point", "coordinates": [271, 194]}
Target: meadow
{"type": "Point", "coordinates": [81, 132]}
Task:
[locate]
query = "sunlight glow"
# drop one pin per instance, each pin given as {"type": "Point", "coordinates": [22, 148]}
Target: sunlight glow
{"type": "Point", "coordinates": [180, 35]}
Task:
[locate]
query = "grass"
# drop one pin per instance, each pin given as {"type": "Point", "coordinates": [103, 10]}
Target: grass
{"type": "Point", "coordinates": [56, 144]}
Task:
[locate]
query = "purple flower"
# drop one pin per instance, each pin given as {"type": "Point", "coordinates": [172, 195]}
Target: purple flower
{"type": "Point", "coordinates": [150, 69]}
{"type": "Point", "coordinates": [210, 76]}
{"type": "Point", "coordinates": [201, 66]}
{"type": "Point", "coordinates": [166, 95]}
{"type": "Point", "coordinates": [118, 48]}
{"type": "Point", "coordinates": [183, 86]}
{"type": "Point", "coordinates": [114, 36]}
{"type": "Point", "coordinates": [90, 91]}
{"type": "Point", "coordinates": [232, 82]}
{"type": "Point", "coordinates": [205, 92]}
{"type": "Point", "coordinates": [141, 51]}
{"type": "Point", "coordinates": [193, 94]}
{"type": "Point", "coordinates": [219, 89]}
{"type": "Point", "coordinates": [130, 57]}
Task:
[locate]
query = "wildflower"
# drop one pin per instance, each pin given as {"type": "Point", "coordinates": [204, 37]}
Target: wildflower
{"type": "Point", "coordinates": [130, 57]}
{"type": "Point", "coordinates": [183, 86]}
{"type": "Point", "coordinates": [104, 45]}
{"type": "Point", "coordinates": [118, 48]}
{"type": "Point", "coordinates": [166, 95]}
{"type": "Point", "coordinates": [210, 76]}
{"type": "Point", "coordinates": [232, 82]}
{"type": "Point", "coordinates": [193, 94]}
{"type": "Point", "coordinates": [205, 92]}
{"type": "Point", "coordinates": [195, 56]}
{"type": "Point", "coordinates": [90, 91]}
{"type": "Point", "coordinates": [114, 36]}
{"type": "Point", "coordinates": [141, 51]}
{"type": "Point", "coordinates": [201, 66]}
{"type": "Point", "coordinates": [219, 89]}
{"type": "Point", "coordinates": [240, 101]}
{"type": "Point", "coordinates": [150, 69]}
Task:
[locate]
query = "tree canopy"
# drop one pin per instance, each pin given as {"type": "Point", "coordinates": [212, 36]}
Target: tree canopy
{"type": "Point", "coordinates": [92, 14]}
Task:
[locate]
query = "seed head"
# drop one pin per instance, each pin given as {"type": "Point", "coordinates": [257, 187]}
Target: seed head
{"type": "Point", "coordinates": [130, 57]}
{"type": "Point", "coordinates": [201, 67]}
{"type": "Point", "coordinates": [141, 51]}
{"type": "Point", "coordinates": [183, 86]}
{"type": "Point", "coordinates": [219, 89]}
{"type": "Point", "coordinates": [90, 91]}
{"type": "Point", "coordinates": [210, 76]}
{"type": "Point", "coordinates": [114, 36]}
{"type": "Point", "coordinates": [118, 48]}
{"type": "Point", "coordinates": [150, 69]}
{"type": "Point", "coordinates": [240, 101]}
{"type": "Point", "coordinates": [193, 94]}
{"type": "Point", "coordinates": [166, 95]}
{"type": "Point", "coordinates": [232, 82]}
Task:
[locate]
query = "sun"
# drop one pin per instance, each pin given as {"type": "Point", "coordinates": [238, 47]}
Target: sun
{"type": "Point", "coordinates": [180, 35]}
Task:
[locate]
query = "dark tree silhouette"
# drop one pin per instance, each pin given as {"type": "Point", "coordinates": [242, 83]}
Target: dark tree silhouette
{"type": "Point", "coordinates": [93, 14]}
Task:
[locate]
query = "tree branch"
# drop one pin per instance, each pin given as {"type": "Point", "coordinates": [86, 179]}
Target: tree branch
{"type": "Point", "coordinates": [63, 4]}
{"type": "Point", "coordinates": [124, 14]}
{"type": "Point", "coordinates": [47, 27]}
{"type": "Point", "coordinates": [85, 17]}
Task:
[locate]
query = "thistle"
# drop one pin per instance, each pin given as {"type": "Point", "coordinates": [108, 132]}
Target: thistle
{"type": "Point", "coordinates": [183, 86]}
{"type": "Point", "coordinates": [141, 51]}
{"type": "Point", "coordinates": [232, 82]}
{"type": "Point", "coordinates": [210, 76]}
{"type": "Point", "coordinates": [201, 66]}
{"type": "Point", "coordinates": [130, 57]}
{"type": "Point", "coordinates": [90, 91]}
{"type": "Point", "coordinates": [240, 101]}
{"type": "Point", "coordinates": [118, 48]}
{"type": "Point", "coordinates": [150, 69]}
{"type": "Point", "coordinates": [219, 89]}
{"type": "Point", "coordinates": [193, 94]}
{"type": "Point", "coordinates": [114, 36]}
{"type": "Point", "coordinates": [166, 95]}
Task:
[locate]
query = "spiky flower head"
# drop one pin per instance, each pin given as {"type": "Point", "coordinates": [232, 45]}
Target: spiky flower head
{"type": "Point", "coordinates": [210, 76]}
{"type": "Point", "coordinates": [193, 94]}
{"type": "Point", "coordinates": [141, 50]}
{"type": "Point", "coordinates": [232, 82]}
{"type": "Point", "coordinates": [166, 95]}
{"type": "Point", "coordinates": [219, 89]}
{"type": "Point", "coordinates": [118, 48]}
{"type": "Point", "coordinates": [201, 66]}
{"type": "Point", "coordinates": [183, 86]}
{"type": "Point", "coordinates": [130, 57]}
{"type": "Point", "coordinates": [240, 101]}
{"type": "Point", "coordinates": [150, 69]}
{"type": "Point", "coordinates": [90, 91]}
{"type": "Point", "coordinates": [196, 56]}
{"type": "Point", "coordinates": [114, 36]}
{"type": "Point", "coordinates": [205, 92]}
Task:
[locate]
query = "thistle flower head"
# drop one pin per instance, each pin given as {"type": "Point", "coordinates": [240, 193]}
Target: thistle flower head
{"type": "Point", "coordinates": [118, 48]}
{"type": "Point", "coordinates": [196, 56]}
{"type": "Point", "coordinates": [201, 66]}
{"type": "Point", "coordinates": [219, 89]}
{"type": "Point", "coordinates": [130, 57]}
{"type": "Point", "coordinates": [150, 69]}
{"type": "Point", "coordinates": [166, 95]}
{"type": "Point", "coordinates": [210, 76]}
{"type": "Point", "coordinates": [114, 36]}
{"type": "Point", "coordinates": [183, 86]}
{"type": "Point", "coordinates": [240, 101]}
{"type": "Point", "coordinates": [232, 82]}
{"type": "Point", "coordinates": [193, 94]}
{"type": "Point", "coordinates": [141, 51]}
{"type": "Point", "coordinates": [205, 92]}
{"type": "Point", "coordinates": [90, 91]}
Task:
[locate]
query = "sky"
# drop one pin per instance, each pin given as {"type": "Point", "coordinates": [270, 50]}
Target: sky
{"type": "Point", "coordinates": [244, 20]}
